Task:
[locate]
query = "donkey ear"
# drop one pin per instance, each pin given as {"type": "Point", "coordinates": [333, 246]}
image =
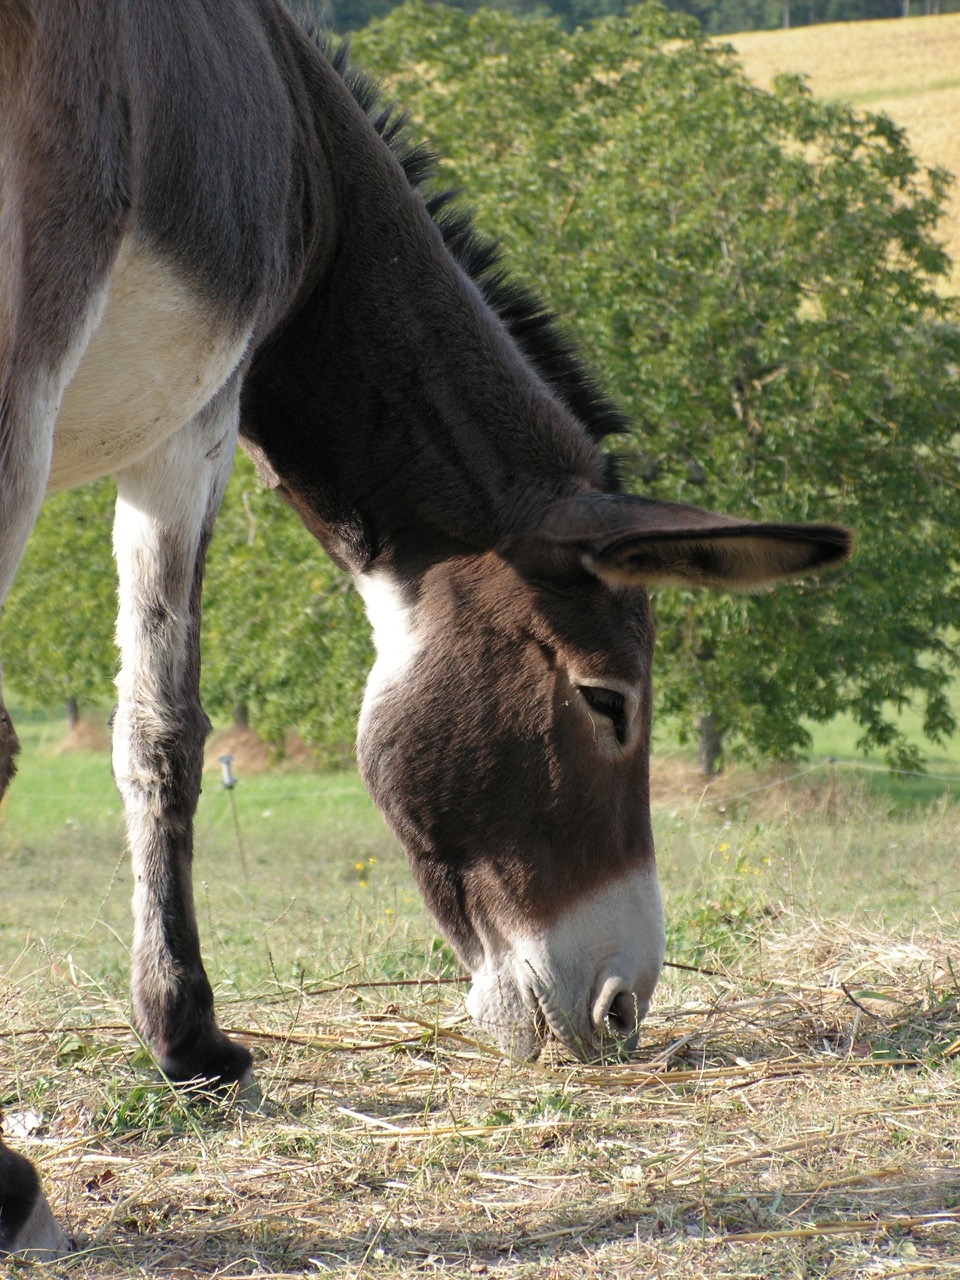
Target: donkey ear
{"type": "Point", "coordinates": [639, 541]}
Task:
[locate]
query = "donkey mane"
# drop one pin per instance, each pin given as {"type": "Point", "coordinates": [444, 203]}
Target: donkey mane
{"type": "Point", "coordinates": [532, 325]}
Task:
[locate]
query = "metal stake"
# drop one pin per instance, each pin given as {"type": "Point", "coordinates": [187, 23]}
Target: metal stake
{"type": "Point", "coordinates": [229, 782]}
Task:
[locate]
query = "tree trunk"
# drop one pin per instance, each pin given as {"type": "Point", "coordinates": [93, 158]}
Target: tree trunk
{"type": "Point", "coordinates": [241, 716]}
{"type": "Point", "coordinates": [709, 745]}
{"type": "Point", "coordinates": [73, 713]}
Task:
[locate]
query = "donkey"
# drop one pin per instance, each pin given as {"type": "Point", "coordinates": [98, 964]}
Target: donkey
{"type": "Point", "coordinates": [210, 231]}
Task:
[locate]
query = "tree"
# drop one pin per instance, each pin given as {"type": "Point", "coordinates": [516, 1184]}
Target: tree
{"type": "Point", "coordinates": [757, 274]}
{"type": "Point", "coordinates": [58, 623]}
{"type": "Point", "coordinates": [758, 277]}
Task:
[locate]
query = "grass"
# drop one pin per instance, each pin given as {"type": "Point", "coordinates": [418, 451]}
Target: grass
{"type": "Point", "coordinates": [908, 69]}
{"type": "Point", "coordinates": [62, 842]}
{"type": "Point", "coordinates": [792, 1110]}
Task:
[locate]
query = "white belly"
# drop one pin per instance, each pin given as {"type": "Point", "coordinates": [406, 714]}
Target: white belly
{"type": "Point", "coordinates": [156, 355]}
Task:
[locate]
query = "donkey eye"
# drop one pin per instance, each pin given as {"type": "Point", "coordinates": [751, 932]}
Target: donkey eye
{"type": "Point", "coordinates": [609, 703]}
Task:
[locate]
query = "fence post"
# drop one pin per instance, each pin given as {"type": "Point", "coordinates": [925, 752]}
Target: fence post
{"type": "Point", "coordinates": [229, 782]}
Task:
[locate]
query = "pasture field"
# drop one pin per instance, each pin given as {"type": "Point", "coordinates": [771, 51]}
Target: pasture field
{"type": "Point", "coordinates": [792, 1111]}
{"type": "Point", "coordinates": [909, 69]}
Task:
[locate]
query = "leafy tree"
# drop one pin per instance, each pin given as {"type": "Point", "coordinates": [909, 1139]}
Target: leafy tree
{"type": "Point", "coordinates": [758, 277]}
{"type": "Point", "coordinates": [58, 622]}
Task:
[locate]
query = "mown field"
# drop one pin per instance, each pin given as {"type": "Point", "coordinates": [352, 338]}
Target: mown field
{"type": "Point", "coordinates": [792, 1110]}
{"type": "Point", "coordinates": [909, 69]}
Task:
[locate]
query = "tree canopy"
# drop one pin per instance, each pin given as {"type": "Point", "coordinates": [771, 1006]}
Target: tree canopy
{"type": "Point", "coordinates": [757, 277]}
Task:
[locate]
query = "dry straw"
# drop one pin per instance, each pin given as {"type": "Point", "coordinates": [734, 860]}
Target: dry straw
{"type": "Point", "coordinates": [793, 1111]}
{"type": "Point", "coordinates": [805, 1118]}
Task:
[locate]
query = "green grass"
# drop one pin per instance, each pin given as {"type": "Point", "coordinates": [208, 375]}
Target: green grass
{"type": "Point", "coordinates": [886, 94]}
{"type": "Point", "coordinates": [324, 875]}
{"type": "Point", "coordinates": [900, 790]}
{"type": "Point", "coordinates": [821, 923]}
{"type": "Point", "coordinates": [329, 893]}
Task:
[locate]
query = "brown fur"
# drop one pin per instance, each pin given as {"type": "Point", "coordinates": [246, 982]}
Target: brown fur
{"type": "Point", "coordinates": [9, 748]}
{"type": "Point", "coordinates": [17, 35]}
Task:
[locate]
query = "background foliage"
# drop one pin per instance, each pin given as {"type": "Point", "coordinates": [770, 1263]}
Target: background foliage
{"type": "Point", "coordinates": [284, 632]}
{"type": "Point", "coordinates": [58, 622]}
{"type": "Point", "coordinates": [284, 637]}
{"type": "Point", "coordinates": [757, 276]}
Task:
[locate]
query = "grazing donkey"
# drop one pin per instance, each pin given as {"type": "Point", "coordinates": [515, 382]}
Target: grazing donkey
{"type": "Point", "coordinates": [207, 232]}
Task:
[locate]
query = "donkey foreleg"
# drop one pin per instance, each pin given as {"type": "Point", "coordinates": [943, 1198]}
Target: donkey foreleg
{"type": "Point", "coordinates": [27, 1227]}
{"type": "Point", "coordinates": [166, 507]}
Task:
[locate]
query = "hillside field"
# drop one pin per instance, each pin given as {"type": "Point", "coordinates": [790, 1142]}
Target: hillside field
{"type": "Point", "coordinates": [907, 68]}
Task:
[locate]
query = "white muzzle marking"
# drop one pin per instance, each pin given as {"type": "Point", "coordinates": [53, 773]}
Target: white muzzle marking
{"type": "Point", "coordinates": [41, 1238]}
{"type": "Point", "coordinates": [566, 979]}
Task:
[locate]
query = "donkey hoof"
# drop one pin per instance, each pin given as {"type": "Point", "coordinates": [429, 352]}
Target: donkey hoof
{"type": "Point", "coordinates": [249, 1097]}
{"type": "Point", "coordinates": [40, 1238]}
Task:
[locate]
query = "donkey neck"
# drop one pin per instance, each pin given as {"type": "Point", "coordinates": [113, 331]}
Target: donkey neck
{"type": "Point", "coordinates": [393, 407]}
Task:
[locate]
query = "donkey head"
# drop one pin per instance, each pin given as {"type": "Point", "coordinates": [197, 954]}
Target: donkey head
{"type": "Point", "coordinates": [505, 735]}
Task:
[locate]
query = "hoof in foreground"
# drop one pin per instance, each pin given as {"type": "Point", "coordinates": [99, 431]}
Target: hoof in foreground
{"type": "Point", "coordinates": [249, 1096]}
{"type": "Point", "coordinates": [40, 1238]}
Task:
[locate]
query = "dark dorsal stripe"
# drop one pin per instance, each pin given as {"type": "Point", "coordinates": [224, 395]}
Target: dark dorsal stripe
{"type": "Point", "coordinates": [531, 324]}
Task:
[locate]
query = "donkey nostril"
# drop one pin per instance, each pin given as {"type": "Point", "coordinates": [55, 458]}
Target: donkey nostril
{"type": "Point", "coordinates": [621, 1018]}
{"type": "Point", "coordinates": [617, 1012]}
